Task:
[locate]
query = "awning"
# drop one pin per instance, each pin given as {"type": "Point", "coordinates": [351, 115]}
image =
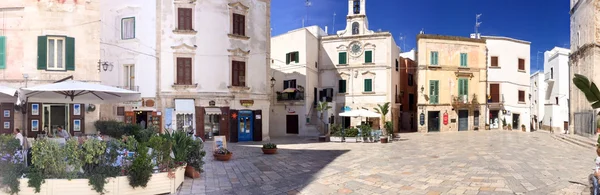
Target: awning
{"type": "Point", "coordinates": [212, 111]}
{"type": "Point", "coordinates": [184, 106]}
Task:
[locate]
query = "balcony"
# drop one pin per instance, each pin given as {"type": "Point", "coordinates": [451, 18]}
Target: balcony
{"type": "Point", "coordinates": [132, 88]}
{"type": "Point", "coordinates": [290, 96]}
{"type": "Point", "coordinates": [460, 100]}
{"type": "Point", "coordinates": [496, 101]}
{"type": "Point", "coordinates": [549, 78]}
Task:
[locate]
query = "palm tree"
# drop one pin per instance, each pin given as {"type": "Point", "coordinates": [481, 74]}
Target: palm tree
{"type": "Point", "coordinates": [321, 108]}
{"type": "Point", "coordinates": [592, 94]}
{"type": "Point", "coordinates": [383, 110]}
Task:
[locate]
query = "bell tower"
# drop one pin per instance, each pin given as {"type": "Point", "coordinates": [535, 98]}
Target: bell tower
{"type": "Point", "coordinates": [356, 20]}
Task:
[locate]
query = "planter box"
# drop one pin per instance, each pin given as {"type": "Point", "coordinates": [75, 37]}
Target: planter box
{"type": "Point", "coordinates": [351, 139]}
{"type": "Point", "coordinates": [159, 183]}
{"type": "Point", "coordinates": [335, 139]}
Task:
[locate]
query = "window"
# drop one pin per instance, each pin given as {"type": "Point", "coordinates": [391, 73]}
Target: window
{"type": "Point", "coordinates": [463, 88]}
{"type": "Point", "coordinates": [578, 39]}
{"type": "Point", "coordinates": [342, 86]}
{"type": "Point", "coordinates": [239, 24]}
{"type": "Point", "coordinates": [184, 19]}
{"type": "Point", "coordinates": [521, 96]}
{"type": "Point", "coordinates": [463, 60]}
{"type": "Point", "coordinates": [397, 67]}
{"type": "Point", "coordinates": [495, 93]}
{"type": "Point", "coordinates": [551, 73]}
{"type": "Point", "coordinates": [494, 61]}
{"type": "Point", "coordinates": [434, 58]}
{"type": "Point", "coordinates": [289, 84]}
{"type": "Point", "coordinates": [238, 74]}
{"type": "Point", "coordinates": [292, 56]}
{"type": "Point", "coordinates": [120, 111]}
{"type": "Point", "coordinates": [434, 91]}
{"type": "Point", "coordinates": [56, 53]}
{"type": "Point", "coordinates": [522, 64]}
{"type": "Point", "coordinates": [342, 58]}
{"type": "Point", "coordinates": [130, 77]}
{"type": "Point", "coordinates": [368, 85]}
{"type": "Point", "coordinates": [410, 80]}
{"type": "Point", "coordinates": [2, 52]}
{"type": "Point", "coordinates": [128, 28]}
{"type": "Point", "coordinates": [556, 100]}
{"type": "Point", "coordinates": [184, 71]}
{"type": "Point", "coordinates": [411, 102]}
{"type": "Point", "coordinates": [368, 56]}
{"type": "Point", "coordinates": [355, 30]}
{"type": "Point", "coordinates": [356, 7]}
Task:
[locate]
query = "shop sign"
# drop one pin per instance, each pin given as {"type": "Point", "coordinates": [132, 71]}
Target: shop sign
{"type": "Point", "coordinates": [446, 118]}
{"type": "Point", "coordinates": [247, 103]}
{"type": "Point", "coordinates": [422, 119]}
{"type": "Point", "coordinates": [258, 116]}
{"type": "Point", "coordinates": [133, 103]}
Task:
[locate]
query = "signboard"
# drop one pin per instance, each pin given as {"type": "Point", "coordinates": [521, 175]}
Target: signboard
{"type": "Point", "coordinates": [422, 119]}
{"type": "Point", "coordinates": [258, 117]}
{"type": "Point", "coordinates": [446, 118]}
{"type": "Point", "coordinates": [220, 141]}
{"type": "Point", "coordinates": [133, 103]}
{"type": "Point", "coordinates": [247, 103]}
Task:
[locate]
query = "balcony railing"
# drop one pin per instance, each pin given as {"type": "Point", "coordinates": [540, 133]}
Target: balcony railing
{"type": "Point", "coordinates": [549, 77]}
{"type": "Point", "coordinates": [460, 99]}
{"type": "Point", "coordinates": [290, 96]}
{"type": "Point", "coordinates": [132, 88]}
{"type": "Point", "coordinates": [496, 100]}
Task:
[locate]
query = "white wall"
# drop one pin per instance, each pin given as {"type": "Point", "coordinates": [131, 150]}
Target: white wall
{"type": "Point", "coordinates": [139, 51]}
{"type": "Point", "coordinates": [538, 89]}
{"type": "Point", "coordinates": [509, 51]}
{"type": "Point", "coordinates": [556, 71]}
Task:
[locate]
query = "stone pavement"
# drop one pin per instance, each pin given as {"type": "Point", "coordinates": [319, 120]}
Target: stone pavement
{"type": "Point", "coordinates": [484, 162]}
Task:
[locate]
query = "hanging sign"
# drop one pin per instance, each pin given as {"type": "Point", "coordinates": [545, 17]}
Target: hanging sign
{"type": "Point", "coordinates": [446, 118]}
{"type": "Point", "coordinates": [422, 119]}
{"type": "Point", "coordinates": [247, 103]}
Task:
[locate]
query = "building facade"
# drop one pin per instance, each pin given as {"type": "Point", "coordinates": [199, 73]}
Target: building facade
{"type": "Point", "coordinates": [452, 83]}
{"type": "Point", "coordinates": [585, 49]}
{"type": "Point", "coordinates": [212, 71]}
{"type": "Point", "coordinates": [556, 96]}
{"type": "Point", "coordinates": [538, 90]}
{"type": "Point", "coordinates": [43, 42]}
{"type": "Point", "coordinates": [508, 96]}
{"type": "Point", "coordinates": [408, 93]}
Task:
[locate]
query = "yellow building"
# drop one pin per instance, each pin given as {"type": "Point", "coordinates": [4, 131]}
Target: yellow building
{"type": "Point", "coordinates": [451, 83]}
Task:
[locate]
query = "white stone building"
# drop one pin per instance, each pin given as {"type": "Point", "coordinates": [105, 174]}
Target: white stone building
{"type": "Point", "coordinates": [537, 88]}
{"type": "Point", "coordinates": [42, 42]}
{"type": "Point", "coordinates": [556, 96]}
{"type": "Point", "coordinates": [508, 77]}
{"type": "Point", "coordinates": [212, 74]}
{"type": "Point", "coordinates": [357, 68]}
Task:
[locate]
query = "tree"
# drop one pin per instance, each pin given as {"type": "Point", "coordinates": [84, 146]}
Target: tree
{"type": "Point", "coordinates": [383, 110]}
{"type": "Point", "coordinates": [589, 89]}
{"type": "Point", "coordinates": [321, 108]}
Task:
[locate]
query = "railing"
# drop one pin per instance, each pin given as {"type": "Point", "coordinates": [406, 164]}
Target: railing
{"type": "Point", "coordinates": [290, 96]}
{"type": "Point", "coordinates": [500, 99]}
{"type": "Point", "coordinates": [548, 76]}
{"type": "Point", "coordinates": [460, 99]}
{"type": "Point", "coordinates": [132, 88]}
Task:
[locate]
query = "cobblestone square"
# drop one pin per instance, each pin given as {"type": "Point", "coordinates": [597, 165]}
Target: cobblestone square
{"type": "Point", "coordinates": [484, 162]}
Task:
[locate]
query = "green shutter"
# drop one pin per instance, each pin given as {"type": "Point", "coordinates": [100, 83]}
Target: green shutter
{"type": "Point", "coordinates": [70, 53]}
{"type": "Point", "coordinates": [342, 86]}
{"type": "Point", "coordinates": [463, 59]}
{"type": "Point", "coordinates": [342, 58]}
{"type": "Point", "coordinates": [2, 52]}
{"type": "Point", "coordinates": [368, 85]}
{"type": "Point", "coordinates": [297, 57]}
{"type": "Point", "coordinates": [368, 56]}
{"type": "Point", "coordinates": [433, 92]}
{"type": "Point", "coordinates": [434, 58]}
{"type": "Point", "coordinates": [287, 58]}
{"type": "Point", "coordinates": [463, 87]}
{"type": "Point", "coordinates": [42, 52]}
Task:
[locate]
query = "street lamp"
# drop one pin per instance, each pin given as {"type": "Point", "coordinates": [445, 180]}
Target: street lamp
{"type": "Point", "coordinates": [272, 82]}
{"type": "Point", "coordinates": [422, 88]}
{"type": "Point", "coordinates": [106, 66]}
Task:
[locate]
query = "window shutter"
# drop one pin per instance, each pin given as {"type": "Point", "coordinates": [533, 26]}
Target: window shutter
{"type": "Point", "coordinates": [466, 87]}
{"type": "Point", "coordinates": [297, 57]}
{"type": "Point", "coordinates": [2, 52]}
{"type": "Point", "coordinates": [188, 71]}
{"type": "Point", "coordinates": [287, 58]}
{"type": "Point", "coordinates": [286, 84]}
{"type": "Point", "coordinates": [70, 53]}
{"type": "Point", "coordinates": [180, 19]}
{"type": "Point", "coordinates": [42, 52]}
{"type": "Point", "coordinates": [368, 85]}
{"type": "Point", "coordinates": [342, 58]}
{"type": "Point", "coordinates": [494, 61]}
{"type": "Point", "coordinates": [342, 86]}
{"type": "Point", "coordinates": [463, 59]}
{"type": "Point", "coordinates": [368, 56]}
{"type": "Point", "coordinates": [243, 25]}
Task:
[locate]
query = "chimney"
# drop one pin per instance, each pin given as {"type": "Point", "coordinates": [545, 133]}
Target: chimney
{"type": "Point", "coordinates": [326, 32]}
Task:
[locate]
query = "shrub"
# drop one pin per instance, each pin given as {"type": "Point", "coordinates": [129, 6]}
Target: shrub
{"type": "Point", "coordinates": [161, 151]}
{"type": "Point", "coordinates": [222, 151]}
{"type": "Point", "coordinates": [365, 131]}
{"type": "Point", "coordinates": [389, 127]}
{"type": "Point", "coordinates": [196, 154]}
{"type": "Point", "coordinates": [131, 129]}
{"type": "Point", "coordinates": [140, 171]}
{"type": "Point", "coordinates": [352, 132]}
{"type": "Point", "coordinates": [182, 145]}
{"type": "Point", "coordinates": [11, 165]}
{"type": "Point", "coordinates": [336, 130]}
{"type": "Point", "coordinates": [144, 135]}
{"type": "Point", "coordinates": [111, 128]}
{"type": "Point", "coordinates": [269, 146]}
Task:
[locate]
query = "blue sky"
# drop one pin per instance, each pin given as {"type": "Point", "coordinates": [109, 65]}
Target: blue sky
{"type": "Point", "coordinates": [545, 23]}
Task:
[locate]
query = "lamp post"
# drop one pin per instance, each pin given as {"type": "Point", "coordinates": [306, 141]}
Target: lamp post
{"type": "Point", "coordinates": [106, 66]}
{"type": "Point", "coordinates": [272, 92]}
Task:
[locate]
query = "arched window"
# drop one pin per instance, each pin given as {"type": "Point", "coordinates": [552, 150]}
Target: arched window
{"type": "Point", "coordinates": [355, 28]}
{"type": "Point", "coordinates": [356, 6]}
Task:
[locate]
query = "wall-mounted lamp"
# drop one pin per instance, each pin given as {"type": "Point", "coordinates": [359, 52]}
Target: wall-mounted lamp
{"type": "Point", "coordinates": [106, 66]}
{"type": "Point", "coordinates": [273, 81]}
{"type": "Point", "coordinates": [422, 88]}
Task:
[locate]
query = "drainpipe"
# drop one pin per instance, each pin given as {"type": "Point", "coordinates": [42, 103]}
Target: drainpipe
{"type": "Point", "coordinates": [487, 114]}
{"type": "Point", "coordinates": [159, 106]}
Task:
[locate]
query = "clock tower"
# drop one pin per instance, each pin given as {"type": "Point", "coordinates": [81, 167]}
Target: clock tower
{"type": "Point", "coordinates": [356, 20]}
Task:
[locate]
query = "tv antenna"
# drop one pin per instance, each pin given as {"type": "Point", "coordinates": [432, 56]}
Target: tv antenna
{"type": "Point", "coordinates": [333, 30]}
{"type": "Point", "coordinates": [477, 24]}
{"type": "Point", "coordinates": [307, 4]}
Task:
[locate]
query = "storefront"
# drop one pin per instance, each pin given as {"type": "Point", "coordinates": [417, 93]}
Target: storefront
{"type": "Point", "coordinates": [48, 117]}
{"type": "Point", "coordinates": [236, 125]}
{"type": "Point", "coordinates": [142, 113]}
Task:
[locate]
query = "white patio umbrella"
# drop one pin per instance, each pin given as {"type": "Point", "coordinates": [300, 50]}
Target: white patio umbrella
{"type": "Point", "coordinates": [71, 91]}
{"type": "Point", "coordinates": [8, 93]}
{"type": "Point", "coordinates": [360, 113]}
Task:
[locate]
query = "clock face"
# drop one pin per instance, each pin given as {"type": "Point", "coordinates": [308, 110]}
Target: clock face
{"type": "Point", "coordinates": [355, 49]}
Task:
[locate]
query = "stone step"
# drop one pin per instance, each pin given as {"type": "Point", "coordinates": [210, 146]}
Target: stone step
{"type": "Point", "coordinates": [576, 139]}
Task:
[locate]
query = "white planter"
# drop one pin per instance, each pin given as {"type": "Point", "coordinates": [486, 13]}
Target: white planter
{"type": "Point", "coordinates": [351, 139]}
{"type": "Point", "coordinates": [335, 139]}
{"type": "Point", "coordinates": [159, 183]}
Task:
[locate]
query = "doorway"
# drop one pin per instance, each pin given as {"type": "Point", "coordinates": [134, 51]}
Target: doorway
{"type": "Point", "coordinates": [141, 116]}
{"type": "Point", "coordinates": [566, 126]}
{"type": "Point", "coordinates": [433, 121]}
{"type": "Point", "coordinates": [346, 121]}
{"type": "Point", "coordinates": [291, 123]}
{"type": "Point", "coordinates": [56, 115]}
{"type": "Point", "coordinates": [246, 125]}
{"type": "Point", "coordinates": [516, 122]}
{"type": "Point", "coordinates": [463, 120]}
{"type": "Point", "coordinates": [494, 120]}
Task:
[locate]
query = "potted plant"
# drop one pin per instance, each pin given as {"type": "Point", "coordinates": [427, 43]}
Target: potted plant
{"type": "Point", "coordinates": [487, 126]}
{"type": "Point", "coordinates": [504, 126]}
{"type": "Point", "coordinates": [336, 133]}
{"type": "Point", "coordinates": [509, 127]}
{"type": "Point", "coordinates": [269, 148]}
{"type": "Point", "coordinates": [383, 110]}
{"type": "Point", "coordinates": [222, 154]}
{"type": "Point", "coordinates": [523, 128]}
{"type": "Point", "coordinates": [323, 107]}
{"type": "Point", "coordinates": [351, 135]}
{"type": "Point", "coordinates": [365, 131]}
{"type": "Point", "coordinates": [194, 159]}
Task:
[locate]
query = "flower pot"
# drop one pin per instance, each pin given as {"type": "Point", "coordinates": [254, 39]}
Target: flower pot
{"type": "Point", "coordinates": [191, 172]}
{"type": "Point", "coordinates": [335, 139]}
{"type": "Point", "coordinates": [383, 140]}
{"type": "Point", "coordinates": [269, 151]}
{"type": "Point", "coordinates": [222, 157]}
{"type": "Point", "coordinates": [351, 139]}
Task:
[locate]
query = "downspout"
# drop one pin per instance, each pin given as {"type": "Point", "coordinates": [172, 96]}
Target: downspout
{"type": "Point", "coordinates": [158, 36]}
{"type": "Point", "coordinates": [487, 114]}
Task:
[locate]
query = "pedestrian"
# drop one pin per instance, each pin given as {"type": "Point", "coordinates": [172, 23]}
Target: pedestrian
{"type": "Point", "coordinates": [18, 136]}
{"type": "Point", "coordinates": [595, 177]}
{"type": "Point", "coordinates": [143, 124]}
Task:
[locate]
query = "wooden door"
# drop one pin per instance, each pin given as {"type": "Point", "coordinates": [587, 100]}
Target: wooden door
{"type": "Point", "coordinates": [224, 123]}
{"type": "Point", "coordinates": [495, 92]}
{"type": "Point", "coordinates": [200, 122]}
{"type": "Point", "coordinates": [291, 123]}
{"type": "Point", "coordinates": [7, 118]}
{"type": "Point", "coordinates": [566, 125]}
{"type": "Point", "coordinates": [130, 117]}
{"type": "Point", "coordinates": [463, 120]}
{"type": "Point", "coordinates": [257, 131]}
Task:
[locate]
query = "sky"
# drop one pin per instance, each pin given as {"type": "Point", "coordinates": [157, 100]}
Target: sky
{"type": "Point", "coordinates": [544, 23]}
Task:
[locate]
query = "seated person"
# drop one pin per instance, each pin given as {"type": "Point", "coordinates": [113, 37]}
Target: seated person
{"type": "Point", "coordinates": [595, 176]}
{"type": "Point", "coordinates": [18, 136]}
{"type": "Point", "coordinates": [62, 133]}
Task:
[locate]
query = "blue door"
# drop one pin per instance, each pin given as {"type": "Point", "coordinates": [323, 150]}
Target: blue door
{"type": "Point", "coordinates": [246, 125]}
